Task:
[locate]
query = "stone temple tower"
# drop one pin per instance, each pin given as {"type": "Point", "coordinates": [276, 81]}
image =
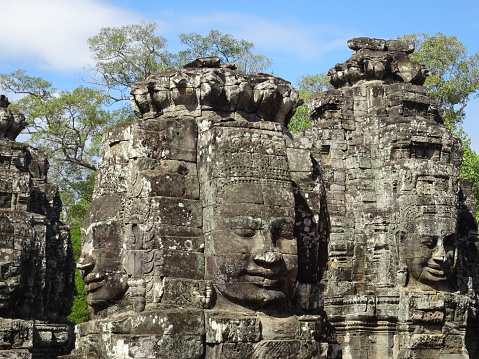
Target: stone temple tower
{"type": "Point", "coordinates": [216, 233]}
{"type": "Point", "coordinates": [402, 278]}
{"type": "Point", "coordinates": [36, 259]}
{"type": "Point", "coordinates": [206, 235]}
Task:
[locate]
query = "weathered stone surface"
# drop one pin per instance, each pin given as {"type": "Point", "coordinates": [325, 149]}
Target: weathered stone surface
{"type": "Point", "coordinates": [377, 59]}
{"type": "Point", "coordinates": [36, 260]}
{"type": "Point", "coordinates": [11, 122]}
{"type": "Point", "coordinates": [216, 233]}
{"type": "Point", "coordinates": [204, 86]}
{"type": "Point", "coordinates": [197, 231]}
{"type": "Point", "coordinates": [399, 283]}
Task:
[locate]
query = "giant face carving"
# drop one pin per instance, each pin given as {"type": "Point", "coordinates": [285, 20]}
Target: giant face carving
{"type": "Point", "coordinates": [15, 265]}
{"type": "Point", "coordinates": [255, 262]}
{"type": "Point", "coordinates": [424, 169]}
{"type": "Point", "coordinates": [251, 253]}
{"type": "Point", "coordinates": [428, 244]}
{"type": "Point", "coordinates": [100, 262]}
{"type": "Point", "coordinates": [429, 249]}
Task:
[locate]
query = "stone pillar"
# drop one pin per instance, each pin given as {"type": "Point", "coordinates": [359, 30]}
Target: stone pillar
{"type": "Point", "coordinates": [36, 259]}
{"type": "Point", "coordinates": [396, 284]}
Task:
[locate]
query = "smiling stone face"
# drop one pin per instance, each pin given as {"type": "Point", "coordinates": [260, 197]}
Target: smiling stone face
{"type": "Point", "coordinates": [429, 250]}
{"type": "Point", "coordinates": [251, 252]}
{"type": "Point", "coordinates": [10, 263]}
{"type": "Point", "coordinates": [428, 245]}
{"type": "Point", "coordinates": [100, 262]}
{"type": "Point", "coordinates": [255, 261]}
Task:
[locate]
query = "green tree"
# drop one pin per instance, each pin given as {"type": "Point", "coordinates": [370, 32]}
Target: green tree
{"type": "Point", "coordinates": [227, 48]}
{"type": "Point", "coordinates": [454, 73]}
{"type": "Point", "coordinates": [66, 125]}
{"type": "Point", "coordinates": [79, 312]}
{"type": "Point", "coordinates": [453, 82]}
{"type": "Point", "coordinates": [307, 86]}
{"type": "Point", "coordinates": [126, 55]}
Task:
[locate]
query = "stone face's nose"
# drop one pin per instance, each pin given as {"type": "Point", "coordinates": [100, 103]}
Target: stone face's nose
{"type": "Point", "coordinates": [269, 257]}
{"type": "Point", "coordinates": [265, 251]}
{"type": "Point", "coordinates": [439, 253]}
{"type": "Point", "coordinates": [86, 264]}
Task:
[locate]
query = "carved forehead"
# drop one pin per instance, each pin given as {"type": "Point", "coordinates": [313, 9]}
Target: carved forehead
{"type": "Point", "coordinates": [267, 220]}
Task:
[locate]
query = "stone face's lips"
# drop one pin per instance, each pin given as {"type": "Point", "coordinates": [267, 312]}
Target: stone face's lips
{"type": "Point", "coordinates": [94, 285]}
{"type": "Point", "coordinates": [264, 280]}
{"type": "Point", "coordinates": [267, 283]}
{"type": "Point", "coordinates": [437, 272]}
{"type": "Point", "coordinates": [93, 281]}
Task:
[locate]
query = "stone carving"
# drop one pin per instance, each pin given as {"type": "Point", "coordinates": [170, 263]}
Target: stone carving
{"type": "Point", "coordinates": [36, 260]}
{"type": "Point", "coordinates": [401, 281]}
{"type": "Point", "coordinates": [207, 233]}
{"type": "Point", "coordinates": [11, 122]}
{"type": "Point", "coordinates": [216, 233]}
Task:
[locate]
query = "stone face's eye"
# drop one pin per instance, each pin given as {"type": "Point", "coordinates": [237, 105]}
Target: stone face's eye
{"type": "Point", "coordinates": [429, 242]}
{"type": "Point", "coordinates": [281, 232]}
{"type": "Point", "coordinates": [245, 232]}
{"type": "Point", "coordinates": [286, 234]}
{"type": "Point", "coordinates": [449, 240]}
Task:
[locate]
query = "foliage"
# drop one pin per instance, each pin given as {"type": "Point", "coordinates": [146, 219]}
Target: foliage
{"type": "Point", "coordinates": [79, 312]}
{"type": "Point", "coordinates": [126, 55]}
{"type": "Point", "coordinates": [20, 83]}
{"type": "Point", "coordinates": [226, 47]}
{"type": "Point", "coordinates": [307, 86]}
{"type": "Point", "coordinates": [76, 196]}
{"type": "Point", "coordinates": [67, 125]}
{"type": "Point", "coordinates": [454, 74]}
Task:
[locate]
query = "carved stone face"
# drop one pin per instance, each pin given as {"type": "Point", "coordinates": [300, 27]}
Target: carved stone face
{"type": "Point", "coordinates": [10, 281]}
{"type": "Point", "coordinates": [251, 253]}
{"type": "Point", "coordinates": [424, 168]}
{"type": "Point", "coordinates": [255, 262]}
{"type": "Point", "coordinates": [10, 266]}
{"type": "Point", "coordinates": [428, 246]}
{"type": "Point", "coordinates": [100, 262]}
{"type": "Point", "coordinates": [105, 280]}
{"type": "Point", "coordinates": [430, 249]}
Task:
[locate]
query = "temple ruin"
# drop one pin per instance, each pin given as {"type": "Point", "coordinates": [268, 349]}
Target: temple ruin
{"type": "Point", "coordinates": [215, 232]}
{"type": "Point", "coordinates": [402, 271]}
{"type": "Point", "coordinates": [36, 259]}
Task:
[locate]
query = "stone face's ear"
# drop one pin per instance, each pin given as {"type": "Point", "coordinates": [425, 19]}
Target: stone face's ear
{"type": "Point", "coordinates": [402, 271]}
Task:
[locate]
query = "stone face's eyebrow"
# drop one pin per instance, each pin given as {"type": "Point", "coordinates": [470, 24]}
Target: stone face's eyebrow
{"type": "Point", "coordinates": [243, 222]}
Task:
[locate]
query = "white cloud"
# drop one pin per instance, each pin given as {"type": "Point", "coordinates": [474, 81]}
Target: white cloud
{"type": "Point", "coordinates": [53, 33]}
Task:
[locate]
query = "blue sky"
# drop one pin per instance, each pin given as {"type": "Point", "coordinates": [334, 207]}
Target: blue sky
{"type": "Point", "coordinates": [48, 37]}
